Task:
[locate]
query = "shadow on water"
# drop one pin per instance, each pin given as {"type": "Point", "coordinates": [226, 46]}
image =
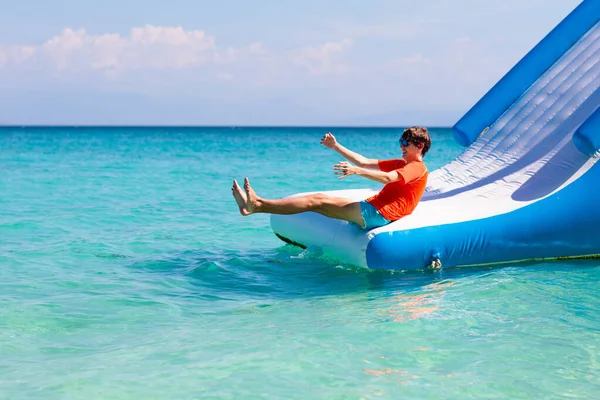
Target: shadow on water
{"type": "Point", "coordinates": [281, 273]}
{"type": "Point", "coordinates": [284, 273]}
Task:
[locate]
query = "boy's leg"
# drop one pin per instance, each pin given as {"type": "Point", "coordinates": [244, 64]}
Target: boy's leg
{"type": "Point", "coordinates": [240, 198]}
{"type": "Point", "coordinates": [333, 207]}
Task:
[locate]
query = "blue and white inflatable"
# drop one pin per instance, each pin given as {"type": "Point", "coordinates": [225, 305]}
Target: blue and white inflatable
{"type": "Point", "coordinates": [524, 189]}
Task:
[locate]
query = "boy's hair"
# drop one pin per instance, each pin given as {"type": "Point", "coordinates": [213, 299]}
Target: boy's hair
{"type": "Point", "coordinates": [417, 134]}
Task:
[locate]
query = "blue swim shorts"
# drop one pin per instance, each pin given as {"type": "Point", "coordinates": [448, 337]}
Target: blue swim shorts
{"type": "Point", "coordinates": [371, 217]}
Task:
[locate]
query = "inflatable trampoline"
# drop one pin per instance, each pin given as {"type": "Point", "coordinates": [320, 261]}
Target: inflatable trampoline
{"type": "Point", "coordinates": [525, 187]}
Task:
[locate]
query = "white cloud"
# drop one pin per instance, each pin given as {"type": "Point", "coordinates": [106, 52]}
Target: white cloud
{"type": "Point", "coordinates": [156, 48]}
{"type": "Point", "coordinates": [352, 71]}
{"type": "Point", "coordinates": [162, 48]}
{"type": "Point", "coordinates": [17, 54]}
{"type": "Point", "coordinates": [148, 47]}
{"type": "Point", "coordinates": [322, 59]}
{"type": "Point", "coordinates": [231, 55]}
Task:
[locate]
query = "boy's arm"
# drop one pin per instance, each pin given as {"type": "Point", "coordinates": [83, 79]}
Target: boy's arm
{"type": "Point", "coordinates": [355, 158]}
{"type": "Point", "coordinates": [345, 169]}
{"type": "Point", "coordinates": [379, 176]}
{"type": "Point", "coordinates": [407, 174]}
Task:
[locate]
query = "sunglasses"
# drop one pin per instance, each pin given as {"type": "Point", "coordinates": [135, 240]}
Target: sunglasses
{"type": "Point", "coordinates": [404, 142]}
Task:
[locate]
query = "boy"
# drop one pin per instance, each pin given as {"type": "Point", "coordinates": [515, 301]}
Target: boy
{"type": "Point", "coordinates": [405, 180]}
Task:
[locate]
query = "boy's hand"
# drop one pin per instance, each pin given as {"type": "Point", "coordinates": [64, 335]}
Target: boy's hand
{"type": "Point", "coordinates": [329, 140]}
{"type": "Point", "coordinates": [344, 169]}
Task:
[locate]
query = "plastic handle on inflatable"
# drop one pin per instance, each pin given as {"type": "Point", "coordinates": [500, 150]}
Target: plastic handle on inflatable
{"type": "Point", "coordinates": [435, 259]}
{"type": "Point", "coordinates": [587, 137]}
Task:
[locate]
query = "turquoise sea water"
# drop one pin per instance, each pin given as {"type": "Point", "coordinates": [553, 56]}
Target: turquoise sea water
{"type": "Point", "coordinates": [127, 273]}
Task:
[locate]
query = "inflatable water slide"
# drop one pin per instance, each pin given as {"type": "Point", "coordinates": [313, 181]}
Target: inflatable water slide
{"type": "Point", "coordinates": [524, 188]}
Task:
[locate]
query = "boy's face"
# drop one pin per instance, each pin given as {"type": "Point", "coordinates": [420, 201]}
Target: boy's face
{"type": "Point", "coordinates": [409, 148]}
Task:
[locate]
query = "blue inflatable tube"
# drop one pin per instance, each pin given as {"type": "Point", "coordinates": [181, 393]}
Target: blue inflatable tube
{"type": "Point", "coordinates": [565, 227]}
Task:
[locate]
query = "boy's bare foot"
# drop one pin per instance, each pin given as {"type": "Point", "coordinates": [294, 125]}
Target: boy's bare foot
{"type": "Point", "coordinates": [251, 197]}
{"type": "Point", "coordinates": [240, 198]}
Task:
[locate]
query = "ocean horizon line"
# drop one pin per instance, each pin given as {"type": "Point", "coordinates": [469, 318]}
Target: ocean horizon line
{"type": "Point", "coordinates": [75, 126]}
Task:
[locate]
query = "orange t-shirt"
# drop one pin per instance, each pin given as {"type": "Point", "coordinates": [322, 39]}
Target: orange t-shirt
{"type": "Point", "coordinates": [398, 199]}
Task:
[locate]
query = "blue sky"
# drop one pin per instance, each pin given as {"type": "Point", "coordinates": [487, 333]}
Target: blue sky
{"type": "Point", "coordinates": [194, 62]}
